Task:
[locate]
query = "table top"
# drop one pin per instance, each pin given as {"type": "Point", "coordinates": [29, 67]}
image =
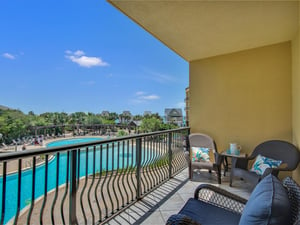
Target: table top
{"type": "Point", "coordinates": [241, 155]}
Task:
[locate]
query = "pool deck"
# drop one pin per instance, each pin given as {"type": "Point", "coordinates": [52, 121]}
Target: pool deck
{"type": "Point", "coordinates": [12, 166]}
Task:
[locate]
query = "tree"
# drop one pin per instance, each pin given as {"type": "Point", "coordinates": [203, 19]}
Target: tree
{"type": "Point", "coordinates": [150, 124]}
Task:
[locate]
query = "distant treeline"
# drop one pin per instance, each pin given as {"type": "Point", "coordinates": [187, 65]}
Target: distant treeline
{"type": "Point", "coordinates": [14, 124]}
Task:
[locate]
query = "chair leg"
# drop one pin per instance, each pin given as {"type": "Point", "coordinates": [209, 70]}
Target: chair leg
{"type": "Point", "coordinates": [219, 175]}
{"type": "Point", "coordinates": [190, 172]}
{"type": "Point", "coordinates": [230, 181]}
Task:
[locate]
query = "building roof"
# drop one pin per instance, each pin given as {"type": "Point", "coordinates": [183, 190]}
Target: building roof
{"type": "Point", "coordinates": [173, 112]}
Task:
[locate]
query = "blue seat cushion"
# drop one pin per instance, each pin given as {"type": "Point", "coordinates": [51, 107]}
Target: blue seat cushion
{"type": "Point", "coordinates": [268, 204]}
{"type": "Point", "coordinates": [207, 214]}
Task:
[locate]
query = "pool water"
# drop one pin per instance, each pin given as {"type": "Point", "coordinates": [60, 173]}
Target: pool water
{"type": "Point", "coordinates": [26, 177]}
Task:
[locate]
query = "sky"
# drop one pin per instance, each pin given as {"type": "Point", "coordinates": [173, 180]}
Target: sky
{"type": "Point", "coordinates": [84, 56]}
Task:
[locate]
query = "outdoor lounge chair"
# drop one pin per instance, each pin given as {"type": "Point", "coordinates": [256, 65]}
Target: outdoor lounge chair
{"type": "Point", "coordinates": [271, 152]}
{"type": "Point", "coordinates": [214, 160]}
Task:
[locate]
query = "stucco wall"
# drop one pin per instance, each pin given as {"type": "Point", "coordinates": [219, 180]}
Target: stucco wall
{"type": "Point", "coordinates": [296, 94]}
{"type": "Point", "coordinates": [243, 97]}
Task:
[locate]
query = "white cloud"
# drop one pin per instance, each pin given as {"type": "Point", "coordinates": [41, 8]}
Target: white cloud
{"type": "Point", "coordinates": [150, 97]}
{"type": "Point", "coordinates": [142, 97]}
{"type": "Point", "coordinates": [79, 53]}
{"type": "Point", "coordinates": [140, 93]}
{"type": "Point", "coordinates": [8, 56]}
{"type": "Point", "coordinates": [81, 59]}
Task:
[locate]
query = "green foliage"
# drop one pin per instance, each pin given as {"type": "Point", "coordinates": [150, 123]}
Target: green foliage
{"type": "Point", "coordinates": [150, 124]}
{"type": "Point", "coordinates": [15, 124]}
{"type": "Point", "coordinates": [122, 133]}
{"type": "Point", "coordinates": [154, 122]}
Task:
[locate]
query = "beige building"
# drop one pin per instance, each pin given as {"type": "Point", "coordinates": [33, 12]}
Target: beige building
{"type": "Point", "coordinates": [244, 60]}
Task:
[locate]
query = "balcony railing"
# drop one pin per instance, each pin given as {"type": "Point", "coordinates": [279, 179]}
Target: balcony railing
{"type": "Point", "coordinates": [86, 183]}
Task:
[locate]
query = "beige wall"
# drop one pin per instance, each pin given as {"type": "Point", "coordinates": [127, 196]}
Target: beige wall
{"type": "Point", "coordinates": [296, 95]}
{"type": "Point", "coordinates": [243, 97]}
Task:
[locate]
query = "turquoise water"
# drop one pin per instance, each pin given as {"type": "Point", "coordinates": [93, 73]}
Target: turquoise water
{"type": "Point", "coordinates": [26, 177]}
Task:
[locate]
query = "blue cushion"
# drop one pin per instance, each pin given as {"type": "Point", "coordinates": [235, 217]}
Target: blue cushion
{"type": "Point", "coordinates": [208, 214]}
{"type": "Point", "coordinates": [268, 204]}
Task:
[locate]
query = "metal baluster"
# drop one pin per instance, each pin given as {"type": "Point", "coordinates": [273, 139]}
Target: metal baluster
{"type": "Point", "coordinates": [124, 170]}
{"type": "Point", "coordinates": [66, 189]}
{"type": "Point", "coordinates": [117, 175]}
{"type": "Point", "coordinates": [33, 190]}
{"type": "Point", "coordinates": [129, 168]}
{"type": "Point", "coordinates": [108, 182]}
{"type": "Point", "coordinates": [97, 185]}
{"type": "Point", "coordinates": [3, 191]}
{"type": "Point", "coordinates": [45, 190]}
{"type": "Point", "coordinates": [92, 184]}
{"type": "Point", "coordinates": [56, 188]}
{"type": "Point", "coordinates": [143, 184]}
{"type": "Point", "coordinates": [85, 184]}
{"type": "Point", "coordinates": [19, 190]}
{"type": "Point", "coordinates": [102, 189]}
{"type": "Point", "coordinates": [145, 166]}
{"type": "Point", "coordinates": [73, 184]}
{"type": "Point", "coordinates": [138, 168]}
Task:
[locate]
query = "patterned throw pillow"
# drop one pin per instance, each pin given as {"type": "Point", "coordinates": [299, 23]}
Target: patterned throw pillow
{"type": "Point", "coordinates": [262, 163]}
{"type": "Point", "coordinates": [200, 154]}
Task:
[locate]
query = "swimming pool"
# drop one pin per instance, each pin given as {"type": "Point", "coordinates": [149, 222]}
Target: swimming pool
{"type": "Point", "coordinates": [26, 177]}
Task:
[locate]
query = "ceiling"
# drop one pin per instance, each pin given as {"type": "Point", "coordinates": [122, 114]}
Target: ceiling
{"type": "Point", "coordinates": [201, 29]}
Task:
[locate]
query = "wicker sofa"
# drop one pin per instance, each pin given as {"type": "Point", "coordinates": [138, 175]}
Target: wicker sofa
{"type": "Point", "coordinates": [271, 202]}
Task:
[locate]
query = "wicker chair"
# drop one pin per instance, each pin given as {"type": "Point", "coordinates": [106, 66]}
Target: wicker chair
{"type": "Point", "coordinates": [212, 205]}
{"type": "Point", "coordinates": [275, 149]}
{"type": "Point", "coordinates": [203, 140]}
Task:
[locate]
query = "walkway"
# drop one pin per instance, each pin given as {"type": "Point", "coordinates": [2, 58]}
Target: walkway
{"type": "Point", "coordinates": [156, 207]}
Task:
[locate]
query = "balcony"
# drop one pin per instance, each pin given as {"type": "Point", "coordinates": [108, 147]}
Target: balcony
{"type": "Point", "coordinates": [87, 183]}
{"type": "Point", "coordinates": [139, 179]}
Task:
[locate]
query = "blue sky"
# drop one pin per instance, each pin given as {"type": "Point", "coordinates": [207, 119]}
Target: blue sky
{"type": "Point", "coordinates": [71, 56]}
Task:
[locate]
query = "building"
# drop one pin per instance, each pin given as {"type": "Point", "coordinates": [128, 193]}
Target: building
{"type": "Point", "coordinates": [147, 113]}
{"type": "Point", "coordinates": [174, 116]}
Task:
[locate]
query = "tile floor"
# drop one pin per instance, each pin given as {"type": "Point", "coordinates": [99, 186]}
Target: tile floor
{"type": "Point", "coordinates": [168, 199]}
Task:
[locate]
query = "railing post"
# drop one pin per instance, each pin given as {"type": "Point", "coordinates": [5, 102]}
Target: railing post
{"type": "Point", "coordinates": [138, 167]}
{"type": "Point", "coordinates": [170, 154]}
{"type": "Point", "coordinates": [72, 191]}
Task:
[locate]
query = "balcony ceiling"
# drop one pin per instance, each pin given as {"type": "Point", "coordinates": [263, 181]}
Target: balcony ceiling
{"type": "Point", "coordinates": [201, 29]}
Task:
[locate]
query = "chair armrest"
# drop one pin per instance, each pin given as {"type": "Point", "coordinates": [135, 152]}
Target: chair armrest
{"type": "Point", "coordinates": [274, 171]}
{"type": "Point", "coordinates": [220, 197]}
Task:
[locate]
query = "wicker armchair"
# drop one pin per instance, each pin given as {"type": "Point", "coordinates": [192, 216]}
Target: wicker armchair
{"type": "Point", "coordinates": [275, 149]}
{"type": "Point", "coordinates": [203, 140]}
{"type": "Point", "coordinates": [209, 201]}
{"type": "Point", "coordinates": [271, 202]}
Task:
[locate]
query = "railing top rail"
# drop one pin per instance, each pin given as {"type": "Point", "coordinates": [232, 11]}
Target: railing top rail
{"type": "Point", "coordinates": [33, 152]}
